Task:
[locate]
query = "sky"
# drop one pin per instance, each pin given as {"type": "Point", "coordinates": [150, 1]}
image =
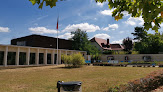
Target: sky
{"type": "Point", "coordinates": [20, 18]}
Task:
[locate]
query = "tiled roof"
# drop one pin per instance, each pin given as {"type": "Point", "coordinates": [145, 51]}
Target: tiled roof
{"type": "Point", "coordinates": [110, 47]}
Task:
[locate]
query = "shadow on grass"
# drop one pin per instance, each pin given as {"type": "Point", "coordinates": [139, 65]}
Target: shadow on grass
{"type": "Point", "coordinates": [63, 67]}
{"type": "Point", "coordinates": [19, 67]}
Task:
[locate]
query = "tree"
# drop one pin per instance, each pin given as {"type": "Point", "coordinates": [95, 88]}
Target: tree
{"type": "Point", "coordinates": [81, 42]}
{"type": "Point", "coordinates": [50, 3]}
{"type": "Point", "coordinates": [127, 42]}
{"type": "Point", "coordinates": [150, 10]}
{"type": "Point", "coordinates": [152, 44]}
{"type": "Point", "coordinates": [140, 33]}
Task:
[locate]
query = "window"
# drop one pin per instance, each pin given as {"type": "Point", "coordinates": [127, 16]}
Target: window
{"type": "Point", "coordinates": [1, 57]}
{"type": "Point", "coordinates": [21, 43]}
{"type": "Point", "coordinates": [110, 58]}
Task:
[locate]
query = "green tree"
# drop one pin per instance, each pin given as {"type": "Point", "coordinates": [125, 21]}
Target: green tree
{"type": "Point", "coordinates": [128, 45]}
{"type": "Point", "coordinates": [140, 33]}
{"type": "Point", "coordinates": [150, 10]}
{"type": "Point", "coordinates": [81, 42]}
{"type": "Point", "coordinates": [151, 45]}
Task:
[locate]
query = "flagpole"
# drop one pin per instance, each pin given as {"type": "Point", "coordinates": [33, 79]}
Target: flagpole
{"type": "Point", "coordinates": [57, 48]}
{"type": "Point", "coordinates": [57, 37]}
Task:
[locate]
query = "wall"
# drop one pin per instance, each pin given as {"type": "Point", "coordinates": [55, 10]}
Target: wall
{"type": "Point", "coordinates": [36, 50]}
{"type": "Point", "coordinates": [136, 57]}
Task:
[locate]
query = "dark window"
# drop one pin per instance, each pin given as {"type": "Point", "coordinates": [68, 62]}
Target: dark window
{"type": "Point", "coordinates": [21, 43]}
{"type": "Point", "coordinates": [110, 58]}
{"type": "Point", "coordinates": [55, 59]}
{"type": "Point", "coordinates": [147, 58]}
{"type": "Point", "coordinates": [48, 58]}
{"type": "Point", "coordinates": [1, 57]}
{"type": "Point", "coordinates": [32, 58]}
{"type": "Point", "coordinates": [22, 58]}
{"type": "Point", "coordinates": [41, 58]}
{"type": "Point", "coordinates": [11, 58]}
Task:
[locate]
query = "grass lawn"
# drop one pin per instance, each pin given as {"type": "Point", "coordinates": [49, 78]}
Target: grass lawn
{"type": "Point", "coordinates": [44, 79]}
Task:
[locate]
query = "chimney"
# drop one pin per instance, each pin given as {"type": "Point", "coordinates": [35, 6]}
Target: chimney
{"type": "Point", "coordinates": [107, 41]}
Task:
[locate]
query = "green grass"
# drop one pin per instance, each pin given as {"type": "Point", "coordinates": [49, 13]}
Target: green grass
{"type": "Point", "coordinates": [44, 79]}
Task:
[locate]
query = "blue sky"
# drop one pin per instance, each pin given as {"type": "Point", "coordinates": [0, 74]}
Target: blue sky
{"type": "Point", "coordinates": [20, 18]}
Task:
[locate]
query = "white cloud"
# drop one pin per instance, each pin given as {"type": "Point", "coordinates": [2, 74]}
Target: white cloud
{"type": "Point", "coordinates": [65, 36]}
{"type": "Point", "coordinates": [118, 41]}
{"type": "Point", "coordinates": [111, 27]}
{"type": "Point", "coordinates": [135, 21]}
{"type": "Point", "coordinates": [42, 30]}
{"type": "Point", "coordinates": [107, 12]}
{"type": "Point", "coordinates": [83, 26]}
{"type": "Point", "coordinates": [105, 29]}
{"type": "Point", "coordinates": [125, 13]}
{"type": "Point", "coordinates": [102, 36]}
{"type": "Point", "coordinates": [161, 25]}
{"type": "Point", "coordinates": [4, 29]}
{"type": "Point", "coordinates": [100, 4]}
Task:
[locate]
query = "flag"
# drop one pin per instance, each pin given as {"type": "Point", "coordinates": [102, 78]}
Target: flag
{"type": "Point", "coordinates": [57, 23]}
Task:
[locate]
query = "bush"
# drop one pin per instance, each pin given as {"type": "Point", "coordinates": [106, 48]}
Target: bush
{"type": "Point", "coordinates": [67, 60]}
{"type": "Point", "coordinates": [77, 60]}
{"type": "Point", "coordinates": [74, 60]}
{"type": "Point", "coordinates": [147, 84]}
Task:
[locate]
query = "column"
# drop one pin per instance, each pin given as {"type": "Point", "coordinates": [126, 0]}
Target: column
{"type": "Point", "coordinates": [17, 56]}
{"type": "Point", "coordinates": [28, 56]}
{"type": "Point", "coordinates": [5, 56]}
{"type": "Point", "coordinates": [66, 52]}
{"type": "Point", "coordinates": [59, 57]}
{"type": "Point", "coordinates": [57, 60]}
{"type": "Point", "coordinates": [45, 57]}
{"type": "Point", "coordinates": [52, 57]}
{"type": "Point", "coordinates": [37, 57]}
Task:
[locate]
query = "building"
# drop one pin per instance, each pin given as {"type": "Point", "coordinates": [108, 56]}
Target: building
{"type": "Point", "coordinates": [42, 41]}
{"type": "Point", "coordinates": [35, 50]}
{"type": "Point", "coordinates": [11, 55]}
{"type": "Point", "coordinates": [103, 44]}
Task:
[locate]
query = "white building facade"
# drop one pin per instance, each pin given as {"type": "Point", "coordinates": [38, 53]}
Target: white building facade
{"type": "Point", "coordinates": [11, 55]}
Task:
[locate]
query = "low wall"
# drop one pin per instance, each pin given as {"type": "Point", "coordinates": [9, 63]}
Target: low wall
{"type": "Point", "coordinates": [136, 57]}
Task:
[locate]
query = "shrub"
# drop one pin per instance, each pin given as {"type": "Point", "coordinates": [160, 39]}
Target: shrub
{"type": "Point", "coordinates": [147, 84]}
{"type": "Point", "coordinates": [67, 60]}
{"type": "Point", "coordinates": [74, 60]}
{"type": "Point", "coordinates": [77, 60]}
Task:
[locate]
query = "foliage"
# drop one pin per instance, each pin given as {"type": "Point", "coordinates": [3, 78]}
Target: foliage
{"type": "Point", "coordinates": [77, 60]}
{"type": "Point", "coordinates": [128, 45]}
{"type": "Point", "coordinates": [147, 84]}
{"type": "Point", "coordinates": [144, 62]}
{"type": "Point", "coordinates": [67, 60]}
{"type": "Point", "coordinates": [152, 44]}
{"type": "Point", "coordinates": [150, 10]}
{"type": "Point", "coordinates": [74, 60]}
{"type": "Point", "coordinates": [50, 3]}
{"type": "Point", "coordinates": [81, 42]}
{"type": "Point", "coordinates": [107, 52]}
{"type": "Point", "coordinates": [140, 33]}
